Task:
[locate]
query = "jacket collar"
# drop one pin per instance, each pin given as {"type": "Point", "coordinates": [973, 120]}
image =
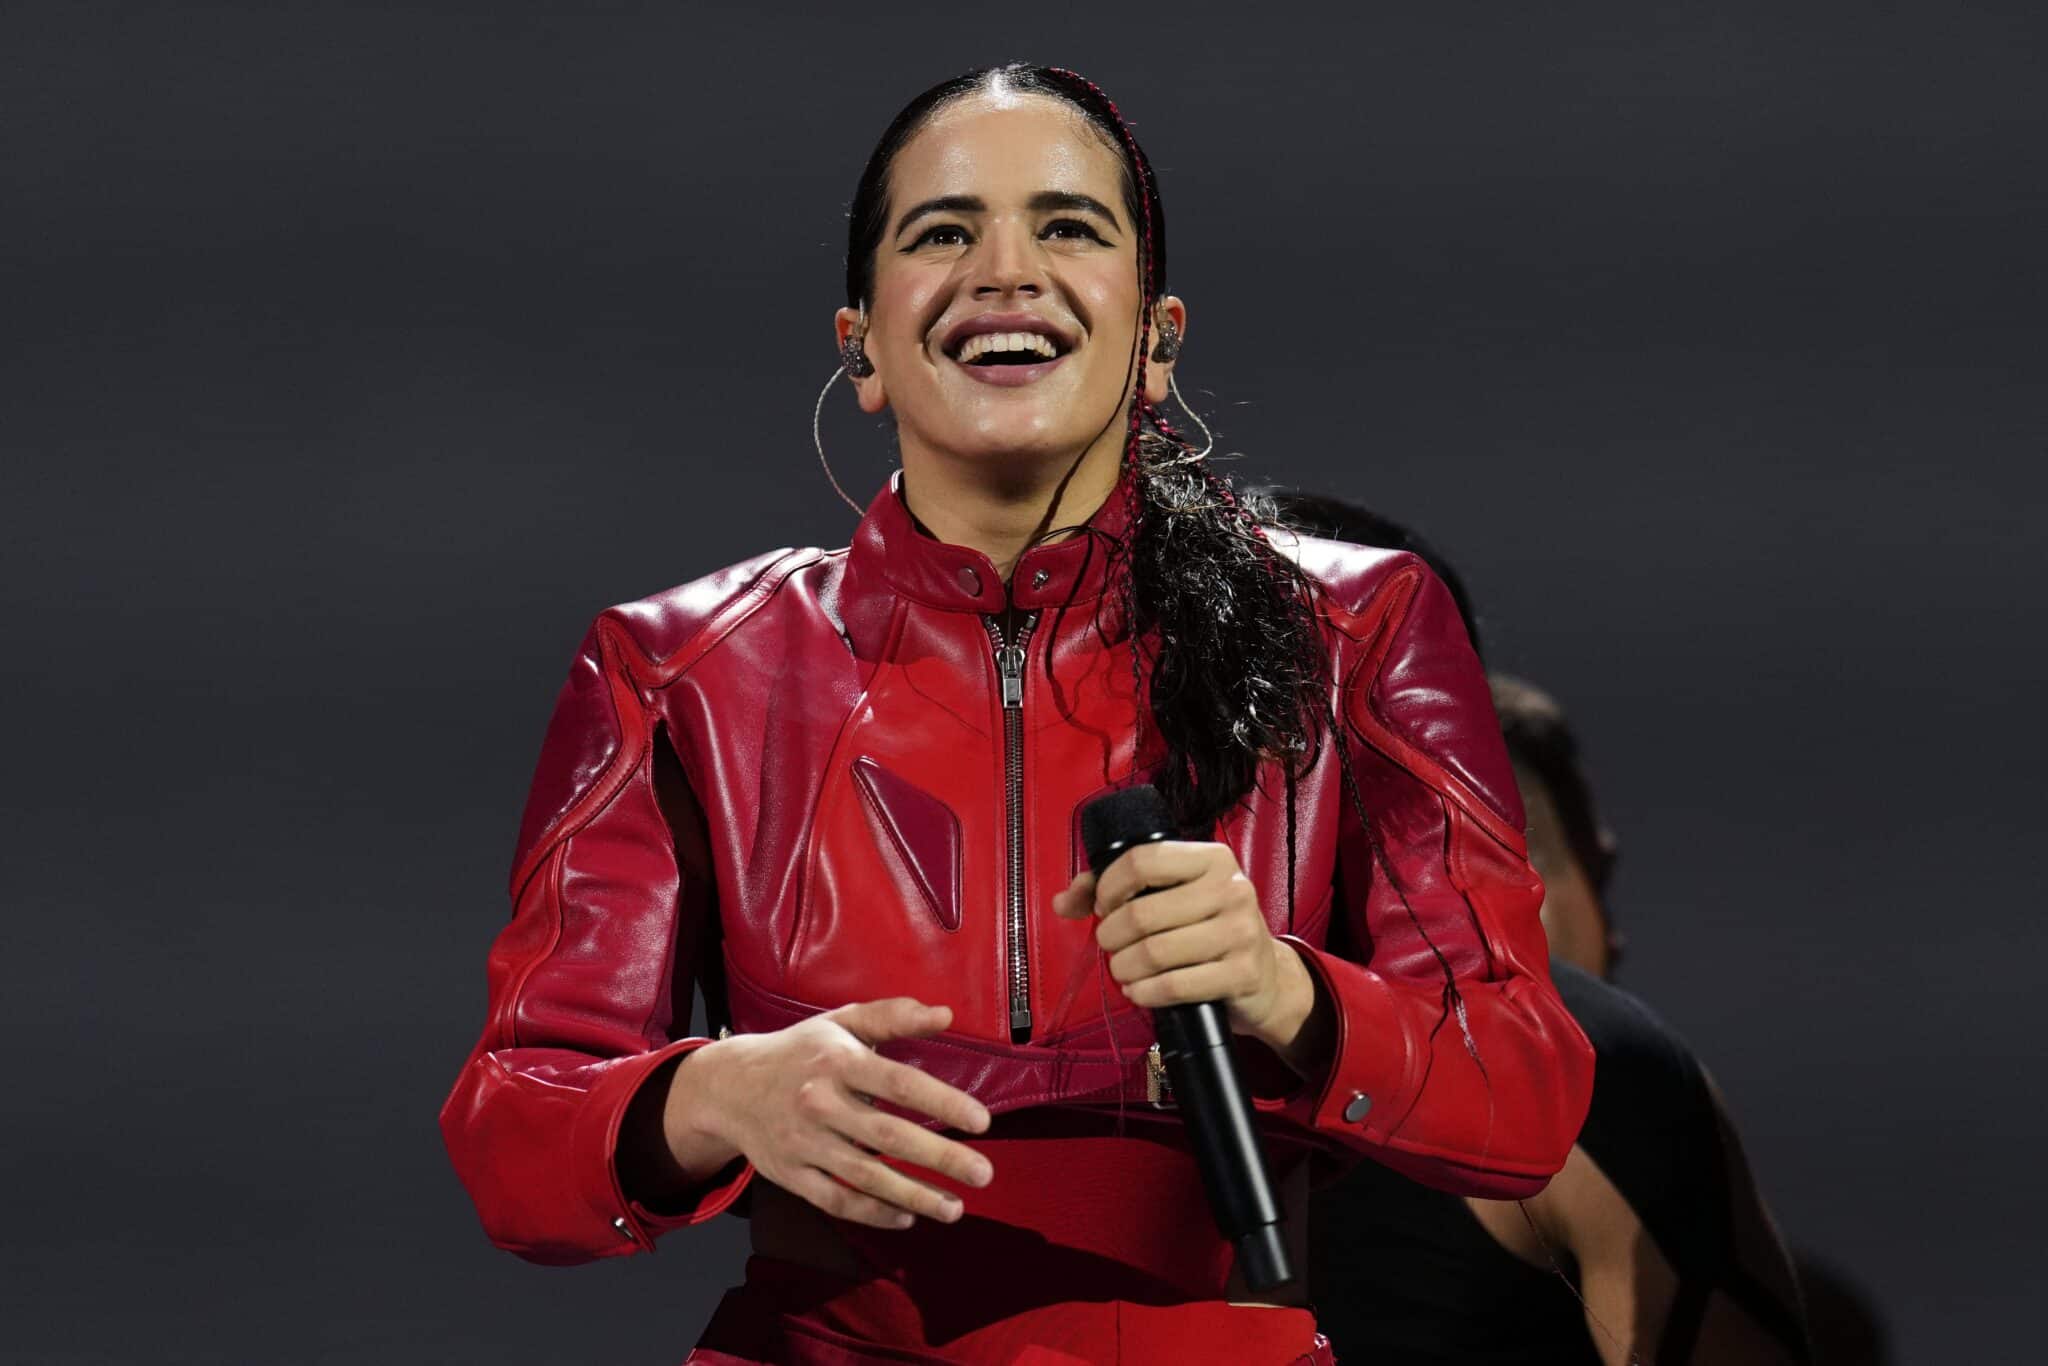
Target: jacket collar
{"type": "Point", "coordinates": [890, 554]}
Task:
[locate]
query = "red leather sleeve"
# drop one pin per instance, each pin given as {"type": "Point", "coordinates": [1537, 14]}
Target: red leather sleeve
{"type": "Point", "coordinates": [610, 893]}
{"type": "Point", "coordinates": [1454, 1062]}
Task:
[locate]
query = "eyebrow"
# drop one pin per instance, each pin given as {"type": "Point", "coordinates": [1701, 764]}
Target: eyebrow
{"type": "Point", "coordinates": [1044, 201]}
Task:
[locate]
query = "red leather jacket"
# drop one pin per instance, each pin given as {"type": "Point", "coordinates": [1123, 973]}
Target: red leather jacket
{"type": "Point", "coordinates": [818, 777]}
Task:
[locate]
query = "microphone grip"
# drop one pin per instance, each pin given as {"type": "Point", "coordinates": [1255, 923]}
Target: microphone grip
{"type": "Point", "coordinates": [1194, 1043]}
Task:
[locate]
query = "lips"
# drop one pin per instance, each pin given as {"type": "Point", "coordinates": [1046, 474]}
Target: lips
{"type": "Point", "coordinates": [996, 348]}
{"type": "Point", "coordinates": [1009, 376]}
{"type": "Point", "coordinates": [991, 324]}
{"type": "Point", "coordinates": [1007, 349]}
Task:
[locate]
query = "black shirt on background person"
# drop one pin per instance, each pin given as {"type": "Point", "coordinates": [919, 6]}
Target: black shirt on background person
{"type": "Point", "coordinates": [1653, 1244]}
{"type": "Point", "coordinates": [1401, 1273]}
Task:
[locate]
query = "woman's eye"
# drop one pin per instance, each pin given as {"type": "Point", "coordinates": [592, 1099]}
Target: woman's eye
{"type": "Point", "coordinates": [1071, 228]}
{"type": "Point", "coordinates": [954, 235]}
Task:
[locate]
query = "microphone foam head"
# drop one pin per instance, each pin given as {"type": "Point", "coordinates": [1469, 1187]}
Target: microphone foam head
{"type": "Point", "coordinates": [1112, 823]}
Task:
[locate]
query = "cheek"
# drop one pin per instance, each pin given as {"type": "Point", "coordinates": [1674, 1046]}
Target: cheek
{"type": "Point", "coordinates": [1112, 305]}
{"type": "Point", "coordinates": [898, 316]}
{"type": "Point", "coordinates": [1570, 911]}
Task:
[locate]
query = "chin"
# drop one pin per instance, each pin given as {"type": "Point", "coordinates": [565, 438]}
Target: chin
{"type": "Point", "coordinates": [1013, 436]}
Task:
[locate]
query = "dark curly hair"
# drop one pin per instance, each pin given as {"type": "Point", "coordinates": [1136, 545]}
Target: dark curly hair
{"type": "Point", "coordinates": [1239, 673]}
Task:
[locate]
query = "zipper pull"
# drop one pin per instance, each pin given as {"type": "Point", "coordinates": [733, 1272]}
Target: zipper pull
{"type": "Point", "coordinates": [1010, 664]}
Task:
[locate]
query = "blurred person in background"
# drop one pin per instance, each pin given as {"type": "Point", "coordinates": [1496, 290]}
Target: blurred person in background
{"type": "Point", "coordinates": [1653, 1244]}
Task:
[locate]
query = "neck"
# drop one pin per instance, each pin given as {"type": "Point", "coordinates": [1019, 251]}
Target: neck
{"type": "Point", "coordinates": [997, 507]}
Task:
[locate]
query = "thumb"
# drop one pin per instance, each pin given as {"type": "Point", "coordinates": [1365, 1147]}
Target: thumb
{"type": "Point", "coordinates": [896, 1017]}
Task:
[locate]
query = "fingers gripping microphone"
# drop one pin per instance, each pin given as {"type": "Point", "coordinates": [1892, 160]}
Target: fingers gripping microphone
{"type": "Point", "coordinates": [1194, 1042]}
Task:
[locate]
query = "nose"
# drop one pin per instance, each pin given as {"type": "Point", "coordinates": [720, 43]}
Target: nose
{"type": "Point", "coordinates": [1009, 263]}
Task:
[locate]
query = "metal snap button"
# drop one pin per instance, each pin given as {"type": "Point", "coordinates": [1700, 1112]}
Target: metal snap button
{"type": "Point", "coordinates": [970, 582]}
{"type": "Point", "coordinates": [1359, 1106]}
{"type": "Point", "coordinates": [1038, 580]}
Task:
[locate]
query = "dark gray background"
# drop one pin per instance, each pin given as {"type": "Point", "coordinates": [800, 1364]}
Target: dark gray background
{"type": "Point", "coordinates": [354, 357]}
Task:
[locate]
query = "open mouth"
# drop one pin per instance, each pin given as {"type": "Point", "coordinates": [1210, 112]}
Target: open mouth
{"type": "Point", "coordinates": [991, 350]}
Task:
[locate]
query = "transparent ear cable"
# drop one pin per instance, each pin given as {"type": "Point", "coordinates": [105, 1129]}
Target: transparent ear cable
{"type": "Point", "coordinates": [819, 441]}
{"type": "Point", "coordinates": [1173, 383]}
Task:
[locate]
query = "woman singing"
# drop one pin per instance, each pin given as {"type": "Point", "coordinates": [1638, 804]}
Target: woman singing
{"type": "Point", "coordinates": [838, 789]}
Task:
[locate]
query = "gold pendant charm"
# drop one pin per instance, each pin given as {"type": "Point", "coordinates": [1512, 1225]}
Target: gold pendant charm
{"type": "Point", "coordinates": [1158, 1087]}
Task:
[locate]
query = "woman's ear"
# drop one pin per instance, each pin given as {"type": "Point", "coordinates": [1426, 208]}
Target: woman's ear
{"type": "Point", "coordinates": [1169, 337]}
{"type": "Point", "coordinates": [849, 326]}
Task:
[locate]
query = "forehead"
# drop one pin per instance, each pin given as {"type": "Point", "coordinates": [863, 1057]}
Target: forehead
{"type": "Point", "coordinates": [1006, 145]}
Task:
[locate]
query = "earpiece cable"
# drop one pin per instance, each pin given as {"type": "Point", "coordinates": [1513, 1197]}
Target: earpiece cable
{"type": "Point", "coordinates": [817, 440]}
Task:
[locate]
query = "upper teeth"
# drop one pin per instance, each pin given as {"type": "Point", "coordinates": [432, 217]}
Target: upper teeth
{"type": "Point", "coordinates": [985, 342]}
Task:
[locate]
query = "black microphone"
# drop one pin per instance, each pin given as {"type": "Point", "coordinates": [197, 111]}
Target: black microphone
{"type": "Point", "coordinates": [1194, 1042]}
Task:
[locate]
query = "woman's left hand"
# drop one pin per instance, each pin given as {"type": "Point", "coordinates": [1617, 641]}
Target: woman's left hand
{"type": "Point", "coordinates": [1196, 934]}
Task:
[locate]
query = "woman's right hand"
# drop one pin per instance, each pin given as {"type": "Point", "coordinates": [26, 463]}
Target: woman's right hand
{"type": "Point", "coordinates": [795, 1101]}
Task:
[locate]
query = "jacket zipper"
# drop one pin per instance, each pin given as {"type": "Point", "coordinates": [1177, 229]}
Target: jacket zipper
{"type": "Point", "coordinates": [1009, 657]}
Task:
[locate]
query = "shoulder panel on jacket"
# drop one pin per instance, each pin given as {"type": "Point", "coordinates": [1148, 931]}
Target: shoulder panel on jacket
{"type": "Point", "coordinates": [1350, 573]}
{"type": "Point", "coordinates": [662, 625]}
{"type": "Point", "coordinates": [1428, 686]}
{"type": "Point", "coordinates": [595, 733]}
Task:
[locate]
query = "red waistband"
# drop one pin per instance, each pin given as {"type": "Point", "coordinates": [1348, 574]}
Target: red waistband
{"type": "Point", "coordinates": [796, 1316]}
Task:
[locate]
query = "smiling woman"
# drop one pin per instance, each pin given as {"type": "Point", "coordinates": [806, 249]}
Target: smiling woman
{"type": "Point", "coordinates": [857, 774]}
{"type": "Point", "coordinates": [1006, 179]}
{"type": "Point", "coordinates": [1004, 232]}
